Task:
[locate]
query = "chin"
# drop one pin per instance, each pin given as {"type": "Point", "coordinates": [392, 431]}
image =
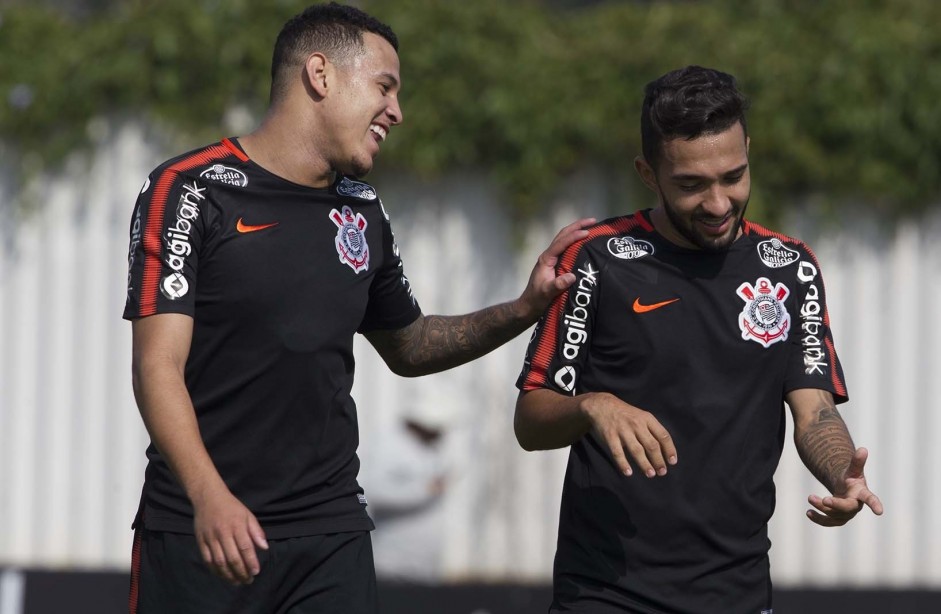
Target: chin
{"type": "Point", "coordinates": [360, 168]}
{"type": "Point", "coordinates": [719, 244]}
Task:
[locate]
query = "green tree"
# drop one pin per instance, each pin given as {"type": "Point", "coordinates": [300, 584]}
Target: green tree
{"type": "Point", "coordinates": [843, 92]}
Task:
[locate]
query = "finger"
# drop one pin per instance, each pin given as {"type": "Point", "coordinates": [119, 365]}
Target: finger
{"type": "Point", "coordinates": [639, 454]}
{"type": "Point", "coordinates": [824, 520]}
{"type": "Point", "coordinates": [666, 442]}
{"type": "Point", "coordinates": [817, 502]}
{"type": "Point", "coordinates": [875, 504]}
{"type": "Point", "coordinates": [255, 537]}
{"type": "Point", "coordinates": [654, 454]}
{"type": "Point", "coordinates": [821, 504]}
{"type": "Point", "coordinates": [568, 235]}
{"type": "Point", "coordinates": [843, 505]}
{"type": "Point", "coordinates": [855, 470]}
{"type": "Point", "coordinates": [248, 555]}
{"type": "Point", "coordinates": [206, 553]}
{"type": "Point", "coordinates": [617, 453]}
{"type": "Point", "coordinates": [234, 562]}
{"type": "Point", "coordinates": [257, 534]}
{"type": "Point", "coordinates": [219, 565]}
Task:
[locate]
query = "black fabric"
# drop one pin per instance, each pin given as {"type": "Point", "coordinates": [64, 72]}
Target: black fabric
{"type": "Point", "coordinates": [674, 332]}
{"type": "Point", "coordinates": [278, 277]}
{"type": "Point", "coordinates": [316, 574]}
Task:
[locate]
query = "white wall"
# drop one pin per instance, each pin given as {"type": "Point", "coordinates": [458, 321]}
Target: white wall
{"type": "Point", "coordinates": [72, 444]}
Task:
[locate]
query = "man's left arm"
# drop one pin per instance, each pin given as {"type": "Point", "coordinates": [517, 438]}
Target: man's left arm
{"type": "Point", "coordinates": [824, 444]}
{"type": "Point", "coordinates": [436, 343]}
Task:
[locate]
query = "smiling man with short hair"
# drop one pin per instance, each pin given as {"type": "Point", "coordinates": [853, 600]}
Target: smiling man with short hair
{"type": "Point", "coordinates": [253, 263]}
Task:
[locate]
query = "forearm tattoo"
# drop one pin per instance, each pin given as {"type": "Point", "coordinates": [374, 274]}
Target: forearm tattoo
{"type": "Point", "coordinates": [436, 343]}
{"type": "Point", "coordinates": [826, 447]}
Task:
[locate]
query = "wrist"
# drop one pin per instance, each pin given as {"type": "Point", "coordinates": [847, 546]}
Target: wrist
{"type": "Point", "coordinates": [588, 405]}
{"type": "Point", "coordinates": [204, 490]}
{"type": "Point", "coordinates": [525, 311]}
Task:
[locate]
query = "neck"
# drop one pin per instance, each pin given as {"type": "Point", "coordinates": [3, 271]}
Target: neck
{"type": "Point", "coordinates": [281, 148]}
{"type": "Point", "coordinates": [663, 226]}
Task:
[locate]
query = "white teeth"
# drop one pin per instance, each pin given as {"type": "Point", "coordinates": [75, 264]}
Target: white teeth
{"type": "Point", "coordinates": [379, 130]}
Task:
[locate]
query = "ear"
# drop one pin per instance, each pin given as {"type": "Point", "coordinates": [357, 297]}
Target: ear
{"type": "Point", "coordinates": [647, 174]}
{"type": "Point", "coordinates": [316, 71]}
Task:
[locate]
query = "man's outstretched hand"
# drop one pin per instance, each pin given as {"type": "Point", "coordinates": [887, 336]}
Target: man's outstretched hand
{"type": "Point", "coordinates": [850, 497]}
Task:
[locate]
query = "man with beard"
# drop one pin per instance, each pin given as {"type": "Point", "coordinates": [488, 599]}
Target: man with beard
{"type": "Point", "coordinates": [672, 354]}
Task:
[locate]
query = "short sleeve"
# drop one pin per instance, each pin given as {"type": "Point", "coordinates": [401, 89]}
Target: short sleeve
{"type": "Point", "coordinates": [391, 302]}
{"type": "Point", "coordinates": [813, 361]}
{"type": "Point", "coordinates": [165, 235]}
{"type": "Point", "coordinates": [559, 347]}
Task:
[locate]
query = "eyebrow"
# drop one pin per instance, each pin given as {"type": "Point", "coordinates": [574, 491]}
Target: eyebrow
{"type": "Point", "coordinates": [690, 177]}
{"type": "Point", "coordinates": [390, 77]}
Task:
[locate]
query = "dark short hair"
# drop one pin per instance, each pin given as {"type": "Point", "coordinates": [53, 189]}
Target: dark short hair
{"type": "Point", "coordinates": [688, 103]}
{"type": "Point", "coordinates": [333, 29]}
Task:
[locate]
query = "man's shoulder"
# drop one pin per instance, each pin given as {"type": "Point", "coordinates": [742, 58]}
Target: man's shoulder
{"type": "Point", "coordinates": [219, 161]}
{"type": "Point", "coordinates": [774, 245]}
{"type": "Point", "coordinates": [623, 236]}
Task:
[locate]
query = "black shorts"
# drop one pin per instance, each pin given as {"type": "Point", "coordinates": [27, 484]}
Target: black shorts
{"type": "Point", "coordinates": [322, 574]}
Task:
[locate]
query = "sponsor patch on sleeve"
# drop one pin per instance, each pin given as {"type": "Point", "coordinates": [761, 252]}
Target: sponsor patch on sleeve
{"type": "Point", "coordinates": [225, 174]}
{"type": "Point", "coordinates": [775, 254]}
{"type": "Point", "coordinates": [629, 248]}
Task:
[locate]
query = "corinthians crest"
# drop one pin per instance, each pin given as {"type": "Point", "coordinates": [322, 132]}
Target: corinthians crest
{"type": "Point", "coordinates": [764, 318]}
{"type": "Point", "coordinates": [351, 238]}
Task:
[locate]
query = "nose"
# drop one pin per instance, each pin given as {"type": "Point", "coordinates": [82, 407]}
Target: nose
{"type": "Point", "coordinates": [394, 111]}
{"type": "Point", "coordinates": [716, 202]}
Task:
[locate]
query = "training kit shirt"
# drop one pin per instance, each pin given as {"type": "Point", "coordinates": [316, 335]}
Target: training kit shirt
{"type": "Point", "coordinates": [709, 343]}
{"type": "Point", "coordinates": [277, 278]}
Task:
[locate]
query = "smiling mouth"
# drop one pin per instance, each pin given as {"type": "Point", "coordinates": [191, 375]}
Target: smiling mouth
{"type": "Point", "coordinates": [716, 226]}
{"type": "Point", "coordinates": [379, 131]}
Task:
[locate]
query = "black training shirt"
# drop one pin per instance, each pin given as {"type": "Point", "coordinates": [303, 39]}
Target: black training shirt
{"type": "Point", "coordinates": [277, 278]}
{"type": "Point", "coordinates": [709, 343]}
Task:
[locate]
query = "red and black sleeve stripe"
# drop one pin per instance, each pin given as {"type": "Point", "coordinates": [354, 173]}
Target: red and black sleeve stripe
{"type": "Point", "coordinates": [154, 222]}
{"type": "Point", "coordinates": [546, 342]}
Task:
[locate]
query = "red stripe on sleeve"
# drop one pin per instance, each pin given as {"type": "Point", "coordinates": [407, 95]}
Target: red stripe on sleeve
{"type": "Point", "coordinates": [538, 374]}
{"type": "Point", "coordinates": [150, 279]}
{"type": "Point", "coordinates": [235, 150]}
{"type": "Point", "coordinates": [761, 231]}
{"type": "Point", "coordinates": [838, 385]}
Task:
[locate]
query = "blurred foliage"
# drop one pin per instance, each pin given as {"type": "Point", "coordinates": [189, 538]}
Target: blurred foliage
{"type": "Point", "coordinates": [844, 92]}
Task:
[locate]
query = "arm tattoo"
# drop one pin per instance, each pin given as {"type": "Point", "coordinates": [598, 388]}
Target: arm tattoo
{"type": "Point", "coordinates": [825, 446]}
{"type": "Point", "coordinates": [436, 343]}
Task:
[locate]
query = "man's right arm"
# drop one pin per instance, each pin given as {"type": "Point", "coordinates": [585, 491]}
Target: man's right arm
{"type": "Point", "coordinates": [547, 420]}
{"type": "Point", "coordinates": [226, 531]}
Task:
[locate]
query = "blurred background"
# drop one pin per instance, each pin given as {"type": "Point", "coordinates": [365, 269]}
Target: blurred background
{"type": "Point", "coordinates": [519, 117]}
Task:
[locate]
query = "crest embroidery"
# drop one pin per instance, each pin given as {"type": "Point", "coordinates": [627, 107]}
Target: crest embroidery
{"type": "Point", "coordinates": [764, 319]}
{"type": "Point", "coordinates": [351, 238]}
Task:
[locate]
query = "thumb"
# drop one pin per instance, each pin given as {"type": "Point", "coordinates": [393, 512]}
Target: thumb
{"type": "Point", "coordinates": [563, 281]}
{"type": "Point", "coordinates": [855, 470]}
